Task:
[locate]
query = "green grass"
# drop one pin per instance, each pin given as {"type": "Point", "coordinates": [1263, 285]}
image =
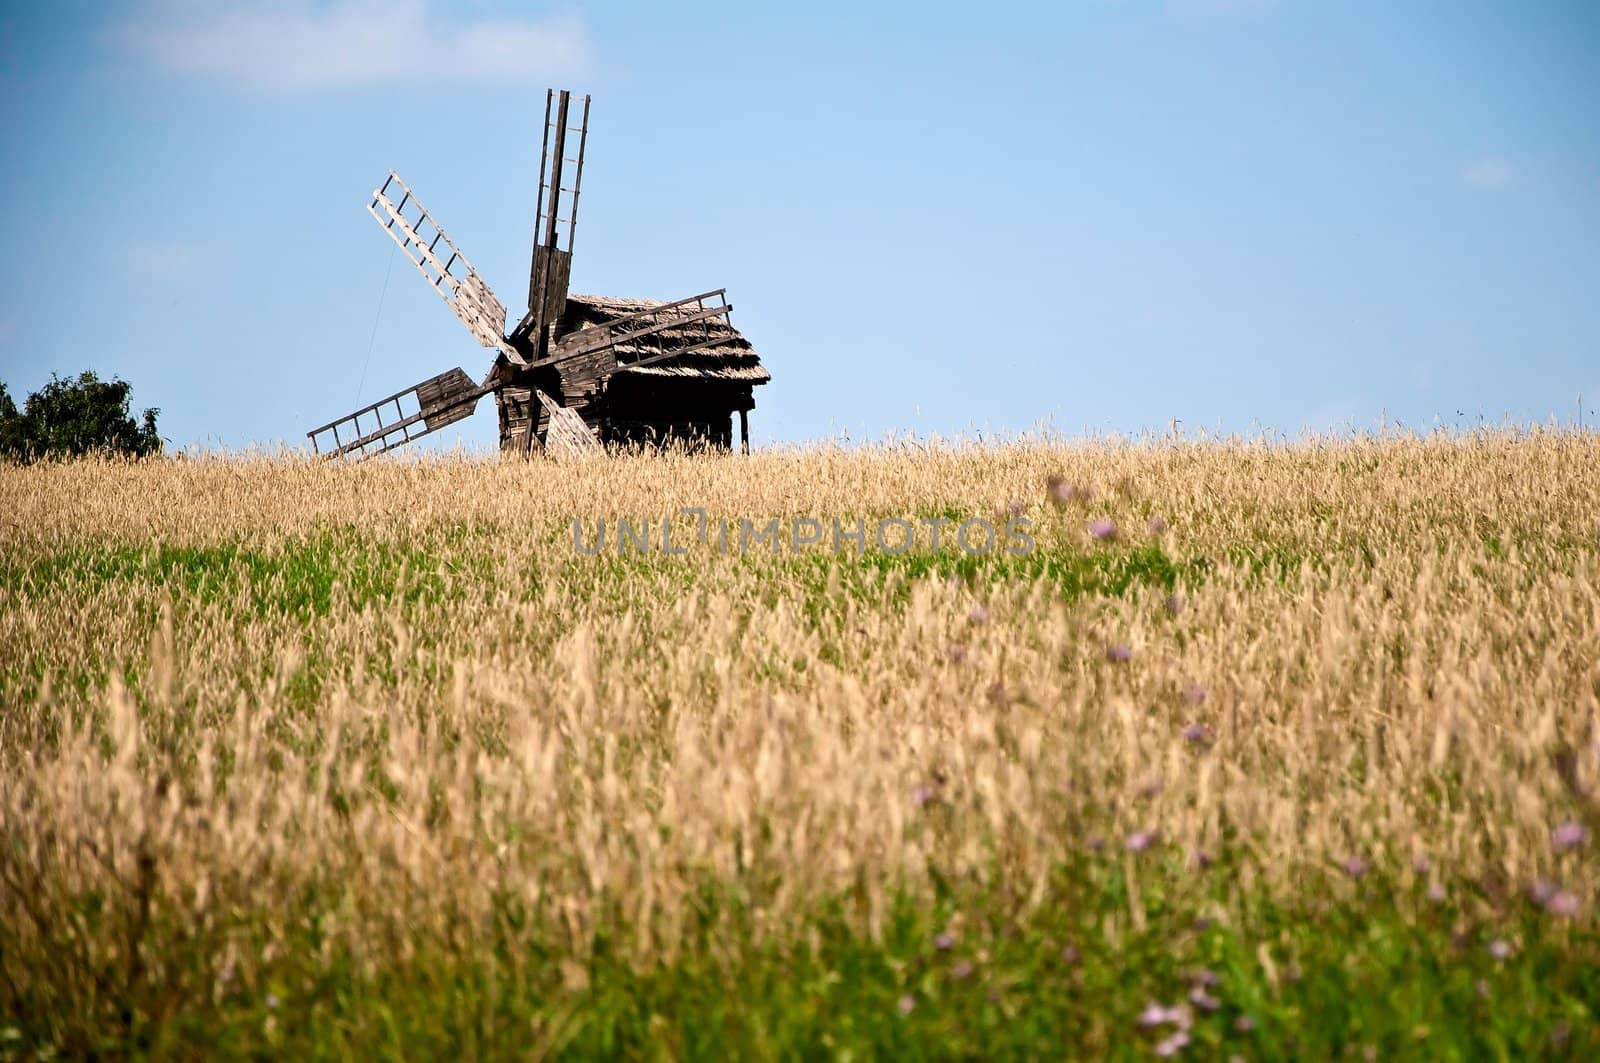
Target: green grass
{"type": "Point", "coordinates": [1370, 966]}
{"type": "Point", "coordinates": [1101, 571]}
{"type": "Point", "coordinates": [298, 580]}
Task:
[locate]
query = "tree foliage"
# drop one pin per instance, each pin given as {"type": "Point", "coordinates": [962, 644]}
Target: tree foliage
{"type": "Point", "coordinates": [72, 417]}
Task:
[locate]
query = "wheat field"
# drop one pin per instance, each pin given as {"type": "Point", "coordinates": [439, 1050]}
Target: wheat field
{"type": "Point", "coordinates": [1265, 749]}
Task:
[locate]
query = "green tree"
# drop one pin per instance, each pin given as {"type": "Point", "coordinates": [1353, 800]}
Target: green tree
{"type": "Point", "coordinates": [11, 429]}
{"type": "Point", "coordinates": [70, 417]}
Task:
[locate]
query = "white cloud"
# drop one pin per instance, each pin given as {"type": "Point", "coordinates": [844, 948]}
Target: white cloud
{"type": "Point", "coordinates": [162, 259]}
{"type": "Point", "coordinates": [299, 46]}
{"type": "Point", "coordinates": [1489, 173]}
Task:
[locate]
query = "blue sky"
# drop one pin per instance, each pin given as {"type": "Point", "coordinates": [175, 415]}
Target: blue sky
{"type": "Point", "coordinates": [1100, 216]}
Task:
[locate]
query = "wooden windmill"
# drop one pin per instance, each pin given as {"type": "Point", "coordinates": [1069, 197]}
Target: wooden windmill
{"type": "Point", "coordinates": [576, 370]}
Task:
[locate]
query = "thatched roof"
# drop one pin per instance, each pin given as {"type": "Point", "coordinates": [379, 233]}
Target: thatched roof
{"type": "Point", "coordinates": [730, 359]}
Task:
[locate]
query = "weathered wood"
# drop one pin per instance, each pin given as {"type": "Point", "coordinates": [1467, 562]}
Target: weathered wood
{"type": "Point", "coordinates": [547, 290]}
{"type": "Point", "coordinates": [547, 282]}
{"type": "Point", "coordinates": [447, 398]}
{"type": "Point", "coordinates": [557, 158]}
{"type": "Point", "coordinates": [566, 432]}
{"type": "Point", "coordinates": [469, 298]}
{"type": "Point", "coordinates": [744, 431]}
{"type": "Point", "coordinates": [664, 355]}
{"type": "Point", "coordinates": [632, 327]}
{"type": "Point", "coordinates": [711, 367]}
{"type": "Point", "coordinates": [538, 197]}
{"type": "Point", "coordinates": [441, 400]}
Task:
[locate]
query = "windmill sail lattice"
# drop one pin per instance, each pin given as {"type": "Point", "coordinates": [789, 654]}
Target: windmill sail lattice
{"type": "Point", "coordinates": [553, 235]}
{"type": "Point", "coordinates": [442, 264]}
{"type": "Point", "coordinates": [429, 406]}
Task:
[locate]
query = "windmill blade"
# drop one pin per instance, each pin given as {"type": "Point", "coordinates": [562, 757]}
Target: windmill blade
{"type": "Point", "coordinates": [553, 234]}
{"type": "Point", "coordinates": [442, 264]}
{"type": "Point", "coordinates": [565, 432]}
{"type": "Point", "coordinates": [411, 414]}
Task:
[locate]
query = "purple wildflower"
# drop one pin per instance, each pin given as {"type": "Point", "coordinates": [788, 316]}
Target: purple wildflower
{"type": "Point", "coordinates": [1069, 953]}
{"type": "Point", "coordinates": [958, 652]}
{"type": "Point", "coordinates": [1202, 923]}
{"type": "Point", "coordinates": [979, 614]}
{"type": "Point", "coordinates": [1016, 507]}
{"type": "Point", "coordinates": [1203, 1000]}
{"type": "Point", "coordinates": [1139, 841]}
{"type": "Point", "coordinates": [1174, 604]}
{"type": "Point", "coordinates": [1436, 893]}
{"type": "Point", "coordinates": [1354, 866]}
{"type": "Point", "coordinates": [1156, 1015]}
{"type": "Point", "coordinates": [1500, 949]}
{"type": "Point", "coordinates": [1562, 904]}
{"type": "Point", "coordinates": [945, 941]}
{"type": "Point", "coordinates": [908, 1004]}
{"type": "Point", "coordinates": [922, 794]}
{"type": "Point", "coordinates": [1196, 734]}
{"type": "Point", "coordinates": [1103, 528]}
{"type": "Point", "coordinates": [1293, 973]}
{"type": "Point", "coordinates": [272, 1000]}
{"type": "Point", "coordinates": [1155, 525]}
{"type": "Point", "coordinates": [1421, 865]}
{"type": "Point", "coordinates": [1060, 491]}
{"type": "Point", "coordinates": [1172, 1044]}
{"type": "Point", "coordinates": [1202, 976]}
{"type": "Point", "coordinates": [1195, 693]}
{"type": "Point", "coordinates": [1568, 835]}
{"type": "Point", "coordinates": [1482, 986]}
{"type": "Point", "coordinates": [1540, 890]}
{"type": "Point", "coordinates": [1202, 860]}
{"type": "Point", "coordinates": [1096, 843]}
{"type": "Point", "coordinates": [1151, 786]}
{"type": "Point", "coordinates": [1119, 652]}
{"type": "Point", "coordinates": [998, 695]}
{"type": "Point", "coordinates": [1244, 1024]}
{"type": "Point", "coordinates": [961, 969]}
